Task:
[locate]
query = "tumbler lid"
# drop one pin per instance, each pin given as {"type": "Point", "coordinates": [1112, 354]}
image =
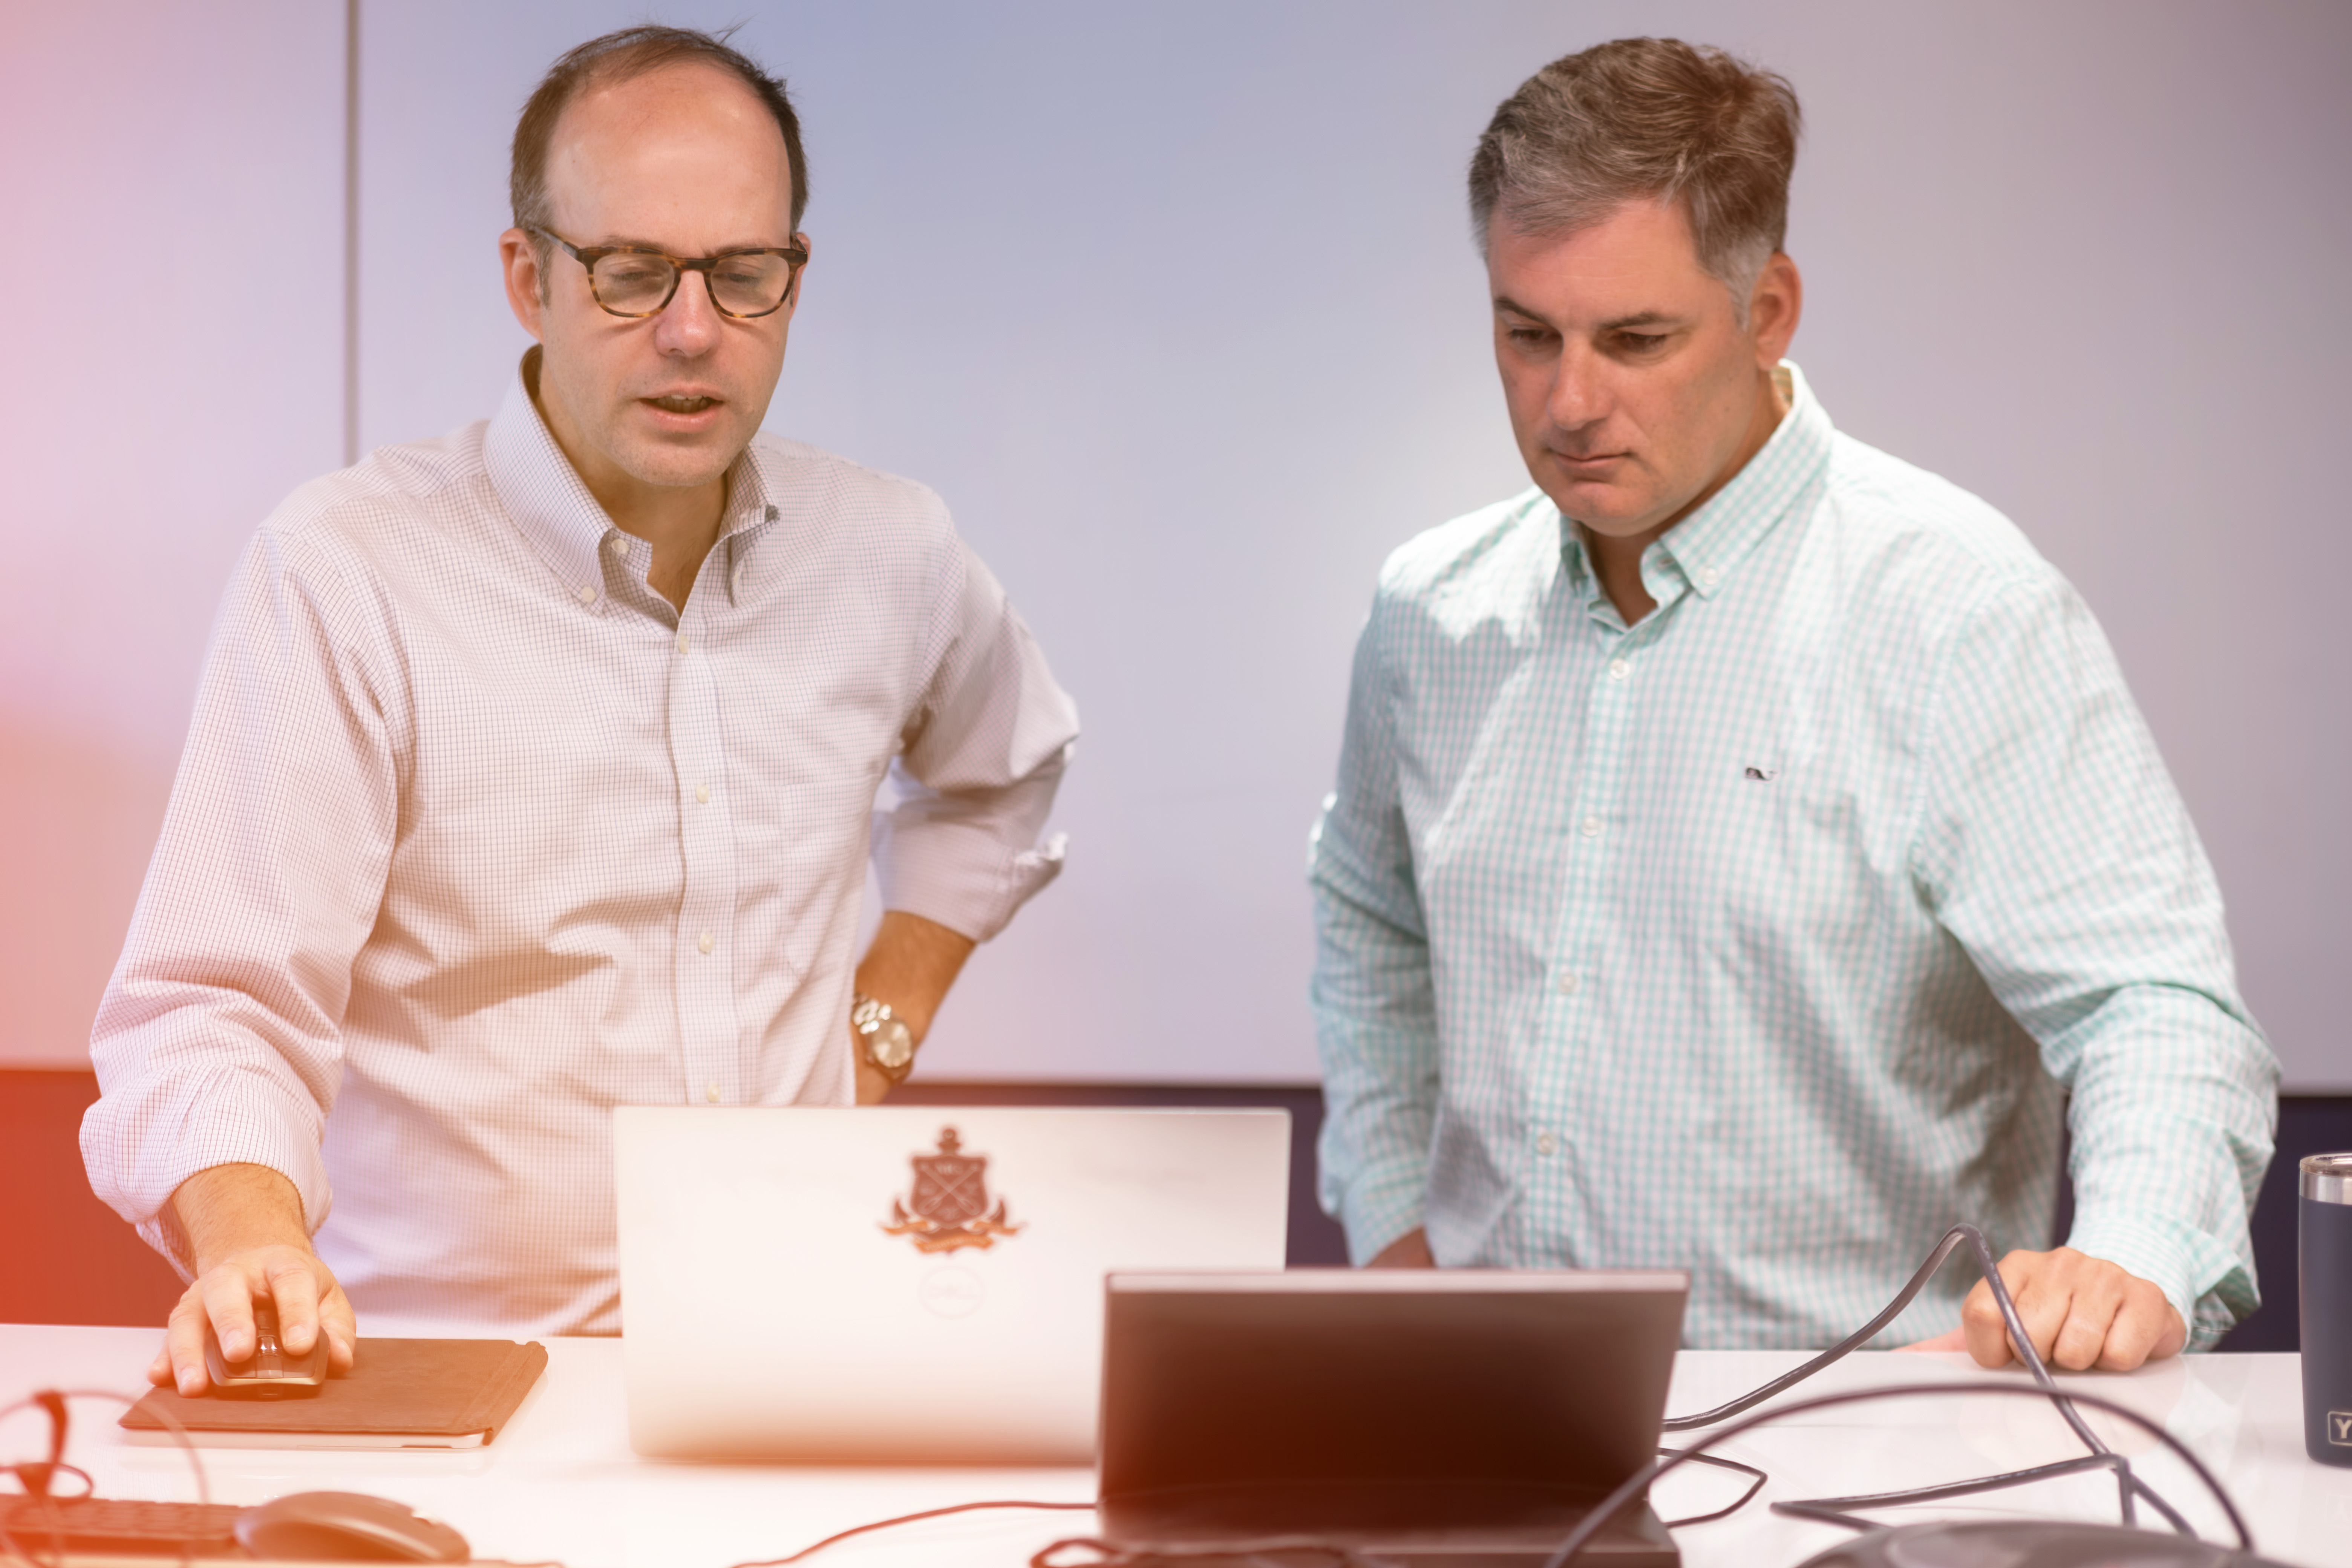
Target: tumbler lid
{"type": "Point", "coordinates": [2327, 1178]}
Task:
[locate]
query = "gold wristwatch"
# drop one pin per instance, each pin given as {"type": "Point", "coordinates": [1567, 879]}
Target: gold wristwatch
{"type": "Point", "coordinates": [883, 1038]}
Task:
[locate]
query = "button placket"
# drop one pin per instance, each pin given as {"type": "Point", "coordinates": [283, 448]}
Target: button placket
{"type": "Point", "coordinates": [704, 970]}
{"type": "Point", "coordinates": [1590, 821]}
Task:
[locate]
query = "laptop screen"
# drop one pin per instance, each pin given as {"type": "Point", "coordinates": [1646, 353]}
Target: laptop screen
{"type": "Point", "coordinates": [1409, 1391]}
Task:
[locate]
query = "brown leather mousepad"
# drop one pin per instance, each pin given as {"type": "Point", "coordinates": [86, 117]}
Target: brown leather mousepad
{"type": "Point", "coordinates": [421, 1388]}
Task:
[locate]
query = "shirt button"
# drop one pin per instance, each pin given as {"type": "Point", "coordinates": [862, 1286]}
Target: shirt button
{"type": "Point", "coordinates": [1707, 576]}
{"type": "Point", "coordinates": [1546, 1144]}
{"type": "Point", "coordinates": [1591, 827]}
{"type": "Point", "coordinates": [1566, 984]}
{"type": "Point", "coordinates": [681, 642]}
{"type": "Point", "coordinates": [619, 545]}
{"type": "Point", "coordinates": [1619, 669]}
{"type": "Point", "coordinates": [585, 593]}
{"type": "Point", "coordinates": [706, 941]}
{"type": "Point", "coordinates": [702, 794]}
{"type": "Point", "coordinates": [711, 1094]}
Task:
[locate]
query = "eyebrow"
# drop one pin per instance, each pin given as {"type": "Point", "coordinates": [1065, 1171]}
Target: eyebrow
{"type": "Point", "coordinates": [1622, 324]}
{"type": "Point", "coordinates": [664, 250]}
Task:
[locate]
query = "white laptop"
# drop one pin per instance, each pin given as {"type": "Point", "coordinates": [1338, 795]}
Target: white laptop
{"type": "Point", "coordinates": [912, 1284]}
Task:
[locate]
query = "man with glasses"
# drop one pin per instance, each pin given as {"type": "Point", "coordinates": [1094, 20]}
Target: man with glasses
{"type": "Point", "coordinates": [533, 770]}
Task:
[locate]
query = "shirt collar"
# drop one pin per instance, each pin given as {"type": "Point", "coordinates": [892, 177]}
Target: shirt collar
{"type": "Point", "coordinates": [1707, 546]}
{"type": "Point", "coordinates": [543, 493]}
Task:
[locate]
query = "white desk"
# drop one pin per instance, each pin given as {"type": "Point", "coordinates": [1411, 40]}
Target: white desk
{"type": "Point", "coordinates": [561, 1482]}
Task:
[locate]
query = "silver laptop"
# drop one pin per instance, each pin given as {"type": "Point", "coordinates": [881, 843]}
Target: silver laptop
{"type": "Point", "coordinates": [1459, 1417]}
{"type": "Point", "coordinates": [919, 1284]}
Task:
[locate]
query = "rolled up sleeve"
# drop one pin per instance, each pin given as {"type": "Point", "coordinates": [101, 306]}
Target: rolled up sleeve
{"type": "Point", "coordinates": [979, 766]}
{"type": "Point", "coordinates": [2060, 854]}
{"type": "Point", "coordinates": [219, 1037]}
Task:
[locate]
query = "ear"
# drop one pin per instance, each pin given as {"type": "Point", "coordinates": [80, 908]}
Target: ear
{"type": "Point", "coordinates": [1773, 307]}
{"type": "Point", "coordinates": [519, 258]}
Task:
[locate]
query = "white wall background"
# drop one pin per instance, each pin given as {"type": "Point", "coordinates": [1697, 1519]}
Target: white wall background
{"type": "Point", "coordinates": [1176, 307]}
{"type": "Point", "coordinates": [170, 353]}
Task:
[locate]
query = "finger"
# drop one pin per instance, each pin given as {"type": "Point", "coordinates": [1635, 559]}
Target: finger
{"type": "Point", "coordinates": [2146, 1325]}
{"type": "Point", "coordinates": [1981, 1328]}
{"type": "Point", "coordinates": [2042, 1290]}
{"type": "Point", "coordinates": [338, 1323]}
{"type": "Point", "coordinates": [227, 1298]}
{"type": "Point", "coordinates": [294, 1291]}
{"type": "Point", "coordinates": [1957, 1340]}
{"type": "Point", "coordinates": [184, 1344]}
{"type": "Point", "coordinates": [2090, 1315]}
{"type": "Point", "coordinates": [159, 1370]}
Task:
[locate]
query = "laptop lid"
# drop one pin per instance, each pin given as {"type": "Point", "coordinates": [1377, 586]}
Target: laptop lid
{"type": "Point", "coordinates": [1401, 1411]}
{"type": "Point", "coordinates": [911, 1284]}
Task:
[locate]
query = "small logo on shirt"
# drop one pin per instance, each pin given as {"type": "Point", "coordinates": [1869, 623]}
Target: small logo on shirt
{"type": "Point", "coordinates": [949, 1207]}
{"type": "Point", "coordinates": [2339, 1428]}
{"type": "Point", "coordinates": [1763, 775]}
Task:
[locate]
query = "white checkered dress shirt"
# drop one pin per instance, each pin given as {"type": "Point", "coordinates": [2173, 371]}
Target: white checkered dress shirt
{"type": "Point", "coordinates": [476, 837]}
{"type": "Point", "coordinates": [1766, 938]}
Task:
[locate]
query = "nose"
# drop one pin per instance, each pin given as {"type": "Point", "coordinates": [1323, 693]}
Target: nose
{"type": "Point", "coordinates": [688, 324]}
{"type": "Point", "coordinates": [1580, 390]}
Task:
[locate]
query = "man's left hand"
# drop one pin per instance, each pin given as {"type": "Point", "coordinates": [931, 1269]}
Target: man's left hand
{"type": "Point", "coordinates": [874, 1086]}
{"type": "Point", "coordinates": [2080, 1311]}
{"type": "Point", "coordinates": [910, 966]}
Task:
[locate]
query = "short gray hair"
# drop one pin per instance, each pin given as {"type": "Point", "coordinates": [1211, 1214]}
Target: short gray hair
{"type": "Point", "coordinates": [1646, 118]}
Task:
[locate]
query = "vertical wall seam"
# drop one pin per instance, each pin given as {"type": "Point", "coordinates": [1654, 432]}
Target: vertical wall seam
{"type": "Point", "coordinates": [351, 232]}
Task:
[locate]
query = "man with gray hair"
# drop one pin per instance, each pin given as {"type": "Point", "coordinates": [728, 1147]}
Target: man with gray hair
{"type": "Point", "coordinates": [1745, 855]}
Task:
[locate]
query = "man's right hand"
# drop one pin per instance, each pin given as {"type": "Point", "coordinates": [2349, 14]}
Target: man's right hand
{"type": "Point", "coordinates": [243, 1227]}
{"type": "Point", "coordinates": [1410, 1250]}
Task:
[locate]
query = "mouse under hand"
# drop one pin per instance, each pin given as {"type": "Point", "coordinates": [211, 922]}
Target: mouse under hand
{"type": "Point", "coordinates": [272, 1372]}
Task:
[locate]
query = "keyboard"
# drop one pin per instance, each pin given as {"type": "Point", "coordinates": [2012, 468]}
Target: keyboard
{"type": "Point", "coordinates": [123, 1526]}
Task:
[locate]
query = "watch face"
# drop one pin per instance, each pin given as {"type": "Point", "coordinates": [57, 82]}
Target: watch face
{"type": "Point", "coordinates": [891, 1044]}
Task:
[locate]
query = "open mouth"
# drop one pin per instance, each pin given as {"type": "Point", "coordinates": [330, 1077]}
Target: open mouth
{"type": "Point", "coordinates": [682, 404]}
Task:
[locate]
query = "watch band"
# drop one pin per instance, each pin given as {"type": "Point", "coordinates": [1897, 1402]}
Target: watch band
{"type": "Point", "coordinates": [883, 1041]}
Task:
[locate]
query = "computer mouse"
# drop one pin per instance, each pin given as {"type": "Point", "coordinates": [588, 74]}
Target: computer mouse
{"type": "Point", "coordinates": [2030, 1544]}
{"type": "Point", "coordinates": [346, 1526]}
{"type": "Point", "coordinates": [271, 1372]}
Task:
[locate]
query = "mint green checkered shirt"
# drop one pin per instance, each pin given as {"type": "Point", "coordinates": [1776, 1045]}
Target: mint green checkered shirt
{"type": "Point", "coordinates": [1771, 936]}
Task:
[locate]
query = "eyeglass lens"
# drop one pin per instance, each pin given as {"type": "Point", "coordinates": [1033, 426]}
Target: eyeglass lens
{"type": "Point", "coordinates": [636, 284]}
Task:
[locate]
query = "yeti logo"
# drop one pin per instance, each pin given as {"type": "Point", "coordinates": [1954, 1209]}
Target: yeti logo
{"type": "Point", "coordinates": [2339, 1428]}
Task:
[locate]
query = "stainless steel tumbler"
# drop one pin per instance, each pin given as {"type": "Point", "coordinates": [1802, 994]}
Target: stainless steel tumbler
{"type": "Point", "coordinates": [2324, 1227]}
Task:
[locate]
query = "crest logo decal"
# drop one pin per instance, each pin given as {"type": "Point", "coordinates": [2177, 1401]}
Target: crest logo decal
{"type": "Point", "coordinates": [949, 1207]}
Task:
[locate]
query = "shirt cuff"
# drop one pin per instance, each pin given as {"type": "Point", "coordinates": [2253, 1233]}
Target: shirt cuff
{"type": "Point", "coordinates": [2208, 1285]}
{"type": "Point", "coordinates": [1379, 1206]}
{"type": "Point", "coordinates": [234, 1120]}
{"type": "Point", "coordinates": [961, 876]}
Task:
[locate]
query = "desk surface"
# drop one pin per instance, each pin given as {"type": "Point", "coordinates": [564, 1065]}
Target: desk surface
{"type": "Point", "coordinates": [561, 1484]}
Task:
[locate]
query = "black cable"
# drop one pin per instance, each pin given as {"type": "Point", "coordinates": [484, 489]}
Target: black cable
{"type": "Point", "coordinates": [1721, 1463]}
{"type": "Point", "coordinates": [811, 1550]}
{"type": "Point", "coordinates": [1836, 1352]}
{"type": "Point", "coordinates": [1247, 1553]}
{"type": "Point", "coordinates": [1108, 1556]}
{"type": "Point", "coordinates": [2128, 1484]}
{"type": "Point", "coordinates": [1833, 1509]}
{"type": "Point", "coordinates": [1609, 1507]}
